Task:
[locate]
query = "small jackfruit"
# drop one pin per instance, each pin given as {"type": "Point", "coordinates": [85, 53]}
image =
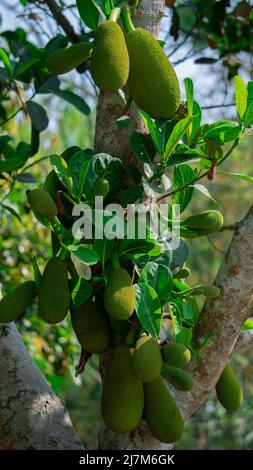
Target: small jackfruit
{"type": "Point", "coordinates": [228, 389]}
{"type": "Point", "coordinates": [14, 304]}
{"type": "Point", "coordinates": [109, 59]}
{"type": "Point", "coordinates": [176, 354]}
{"type": "Point", "coordinates": [146, 362]}
{"type": "Point", "coordinates": [91, 326]}
{"type": "Point", "coordinates": [42, 203]}
{"type": "Point", "coordinates": [66, 59]}
{"type": "Point", "coordinates": [122, 396]}
{"type": "Point", "coordinates": [161, 412]}
{"type": "Point", "coordinates": [102, 187]}
{"type": "Point", "coordinates": [54, 297]}
{"type": "Point", "coordinates": [152, 81]}
{"type": "Point", "coordinates": [119, 296]}
{"type": "Point", "coordinates": [180, 379]}
{"type": "Point", "coordinates": [205, 223]}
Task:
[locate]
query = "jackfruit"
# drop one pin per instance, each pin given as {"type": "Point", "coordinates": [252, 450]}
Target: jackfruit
{"type": "Point", "coordinates": [228, 389]}
{"type": "Point", "coordinates": [42, 203]}
{"type": "Point", "coordinates": [146, 362]}
{"type": "Point", "coordinates": [13, 304]}
{"type": "Point", "coordinates": [122, 396]}
{"type": "Point", "coordinates": [102, 187]}
{"type": "Point", "coordinates": [91, 326]}
{"type": "Point", "coordinates": [204, 223]}
{"type": "Point", "coordinates": [109, 59]}
{"type": "Point", "coordinates": [54, 297]}
{"type": "Point", "coordinates": [66, 59]}
{"type": "Point", "coordinates": [161, 412]}
{"type": "Point", "coordinates": [176, 354]}
{"type": "Point", "coordinates": [180, 379]}
{"type": "Point", "coordinates": [119, 296]}
{"type": "Point", "coordinates": [152, 81]}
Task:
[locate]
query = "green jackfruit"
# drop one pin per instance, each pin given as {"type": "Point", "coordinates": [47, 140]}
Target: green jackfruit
{"type": "Point", "coordinates": [109, 59]}
{"type": "Point", "coordinates": [66, 59]}
{"type": "Point", "coordinates": [180, 379]}
{"type": "Point", "coordinates": [119, 296]}
{"type": "Point", "coordinates": [102, 187]}
{"type": "Point", "coordinates": [91, 326]}
{"type": "Point", "coordinates": [176, 354]}
{"type": "Point", "coordinates": [146, 362]}
{"type": "Point", "coordinates": [153, 83]}
{"type": "Point", "coordinates": [42, 203]}
{"type": "Point", "coordinates": [228, 389]}
{"type": "Point", "coordinates": [161, 412]}
{"type": "Point", "coordinates": [13, 304]}
{"type": "Point", "coordinates": [54, 297]}
{"type": "Point", "coordinates": [204, 223]}
{"type": "Point", "coordinates": [123, 396]}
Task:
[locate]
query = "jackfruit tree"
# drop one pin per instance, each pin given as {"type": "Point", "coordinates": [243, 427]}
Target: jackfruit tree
{"type": "Point", "coordinates": [137, 306]}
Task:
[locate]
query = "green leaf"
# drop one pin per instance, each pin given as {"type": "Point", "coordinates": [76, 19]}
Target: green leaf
{"type": "Point", "coordinates": [148, 309]}
{"type": "Point", "coordinates": [131, 195]}
{"type": "Point", "coordinates": [241, 176]}
{"type": "Point", "coordinates": [176, 135]}
{"type": "Point", "coordinates": [62, 171]}
{"type": "Point", "coordinates": [188, 83]}
{"type": "Point", "coordinates": [180, 255]}
{"type": "Point", "coordinates": [160, 278]}
{"type": "Point", "coordinates": [36, 271]}
{"type": "Point", "coordinates": [78, 166]}
{"type": "Point", "coordinates": [11, 210]}
{"type": "Point", "coordinates": [183, 174]}
{"type": "Point", "coordinates": [21, 68]}
{"type": "Point", "coordinates": [222, 131]}
{"type": "Point", "coordinates": [184, 336]}
{"type": "Point", "coordinates": [164, 258]}
{"type": "Point", "coordinates": [143, 147]}
{"type": "Point", "coordinates": [248, 120]}
{"type": "Point", "coordinates": [81, 291]}
{"type": "Point", "coordinates": [88, 12]}
{"type": "Point", "coordinates": [38, 115]}
{"type": "Point", "coordinates": [248, 325]}
{"type": "Point", "coordinates": [103, 165]}
{"type": "Point", "coordinates": [241, 95]}
{"type": "Point", "coordinates": [11, 164]}
{"type": "Point", "coordinates": [6, 61]}
{"type": "Point", "coordinates": [73, 99]}
{"type": "Point", "coordinates": [104, 249]}
{"type": "Point", "coordinates": [155, 134]}
{"type": "Point", "coordinates": [135, 247]}
{"type": "Point", "coordinates": [197, 116]}
{"type": "Point", "coordinates": [84, 254]}
{"type": "Point", "coordinates": [203, 189]}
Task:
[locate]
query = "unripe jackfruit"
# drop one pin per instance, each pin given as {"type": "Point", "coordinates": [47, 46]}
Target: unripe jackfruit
{"type": "Point", "coordinates": [42, 203]}
{"type": "Point", "coordinates": [180, 379]}
{"type": "Point", "coordinates": [54, 297]}
{"type": "Point", "coordinates": [153, 83]}
{"type": "Point", "coordinates": [176, 354]}
{"type": "Point", "coordinates": [119, 296]}
{"type": "Point", "coordinates": [146, 362]}
{"type": "Point", "coordinates": [109, 60]}
{"type": "Point", "coordinates": [66, 59]}
{"type": "Point", "coordinates": [102, 187]}
{"type": "Point", "coordinates": [13, 304]}
{"type": "Point", "coordinates": [161, 412]}
{"type": "Point", "coordinates": [91, 326]}
{"type": "Point", "coordinates": [123, 396]}
{"type": "Point", "coordinates": [228, 389]}
{"type": "Point", "coordinates": [205, 223]}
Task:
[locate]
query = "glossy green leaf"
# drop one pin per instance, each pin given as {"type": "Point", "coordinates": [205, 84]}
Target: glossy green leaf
{"type": "Point", "coordinates": [241, 95]}
{"type": "Point", "coordinates": [176, 135]}
{"type": "Point", "coordinates": [62, 171]}
{"type": "Point", "coordinates": [148, 309]}
{"type": "Point", "coordinates": [160, 278]}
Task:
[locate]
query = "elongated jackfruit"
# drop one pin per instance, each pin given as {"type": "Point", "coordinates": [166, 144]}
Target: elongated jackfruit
{"type": "Point", "coordinates": [146, 362]}
{"type": "Point", "coordinates": [228, 389]}
{"type": "Point", "coordinates": [109, 59]}
{"type": "Point", "coordinates": [91, 326]}
{"type": "Point", "coordinates": [123, 396]}
{"type": "Point", "coordinates": [42, 203]}
{"type": "Point", "coordinates": [180, 379]}
{"type": "Point", "coordinates": [176, 354]}
{"type": "Point", "coordinates": [66, 59]}
{"type": "Point", "coordinates": [13, 304]}
{"type": "Point", "coordinates": [153, 83]}
{"type": "Point", "coordinates": [161, 412]}
{"type": "Point", "coordinates": [54, 297]}
{"type": "Point", "coordinates": [119, 296]}
{"type": "Point", "coordinates": [205, 223]}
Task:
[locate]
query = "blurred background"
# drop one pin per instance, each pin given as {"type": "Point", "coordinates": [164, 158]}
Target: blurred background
{"type": "Point", "coordinates": [54, 348]}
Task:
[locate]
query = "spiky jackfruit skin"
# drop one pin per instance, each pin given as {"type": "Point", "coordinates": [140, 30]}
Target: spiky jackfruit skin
{"type": "Point", "coordinates": [161, 412]}
{"type": "Point", "coordinates": [146, 362]}
{"type": "Point", "coordinates": [102, 187]}
{"type": "Point", "coordinates": [91, 326]}
{"type": "Point", "coordinates": [42, 203]}
{"type": "Point", "coordinates": [228, 389]}
{"type": "Point", "coordinates": [152, 81]}
{"type": "Point", "coordinates": [66, 59]}
{"type": "Point", "coordinates": [176, 354]}
{"type": "Point", "coordinates": [205, 223]}
{"type": "Point", "coordinates": [54, 296]}
{"type": "Point", "coordinates": [109, 59]}
{"type": "Point", "coordinates": [119, 296]}
{"type": "Point", "coordinates": [13, 304]}
{"type": "Point", "coordinates": [123, 395]}
{"type": "Point", "coordinates": [180, 379]}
